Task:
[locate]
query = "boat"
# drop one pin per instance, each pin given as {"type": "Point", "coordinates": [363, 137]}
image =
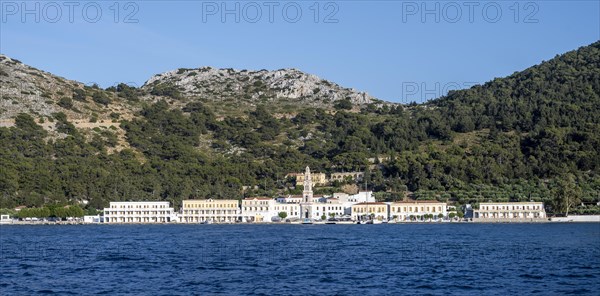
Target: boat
{"type": "Point", "coordinates": [331, 221]}
{"type": "Point", "coordinates": [375, 221]}
{"type": "Point", "coordinates": [307, 221]}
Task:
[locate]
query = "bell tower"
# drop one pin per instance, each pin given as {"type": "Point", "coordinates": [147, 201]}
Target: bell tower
{"type": "Point", "coordinates": [307, 196]}
{"type": "Point", "coordinates": [308, 193]}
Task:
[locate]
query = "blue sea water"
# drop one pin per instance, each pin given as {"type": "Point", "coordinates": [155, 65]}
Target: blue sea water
{"type": "Point", "coordinates": [424, 259]}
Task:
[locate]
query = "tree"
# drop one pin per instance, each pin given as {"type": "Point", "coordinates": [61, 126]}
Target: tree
{"type": "Point", "coordinates": [344, 104]}
{"type": "Point", "coordinates": [75, 211]}
{"type": "Point", "coordinates": [60, 212]}
{"type": "Point", "coordinates": [44, 212]}
{"type": "Point", "coordinates": [101, 98]}
{"type": "Point", "coordinates": [65, 102]}
{"type": "Point", "coordinates": [567, 194]}
{"type": "Point", "coordinates": [79, 94]}
{"type": "Point", "coordinates": [282, 215]}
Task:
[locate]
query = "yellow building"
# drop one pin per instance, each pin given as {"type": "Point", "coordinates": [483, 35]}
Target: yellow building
{"type": "Point", "coordinates": [403, 210]}
{"type": "Point", "coordinates": [317, 178]}
{"type": "Point", "coordinates": [354, 176]}
{"type": "Point", "coordinates": [210, 210]}
{"type": "Point", "coordinates": [370, 210]}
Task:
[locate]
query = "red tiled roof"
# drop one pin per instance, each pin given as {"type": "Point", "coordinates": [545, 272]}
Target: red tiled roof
{"type": "Point", "coordinates": [257, 198]}
{"type": "Point", "coordinates": [417, 201]}
{"type": "Point", "coordinates": [369, 203]}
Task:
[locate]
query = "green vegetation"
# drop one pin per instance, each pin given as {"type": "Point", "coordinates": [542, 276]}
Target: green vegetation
{"type": "Point", "coordinates": [530, 136]}
{"type": "Point", "coordinates": [51, 211]}
{"type": "Point", "coordinates": [65, 102]}
{"type": "Point", "coordinates": [344, 104]}
{"type": "Point", "coordinates": [125, 91]}
{"type": "Point", "coordinates": [101, 98]}
{"type": "Point", "coordinates": [79, 94]}
{"type": "Point", "coordinates": [166, 90]}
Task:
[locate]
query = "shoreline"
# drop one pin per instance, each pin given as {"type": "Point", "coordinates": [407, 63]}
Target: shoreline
{"type": "Point", "coordinates": [549, 221]}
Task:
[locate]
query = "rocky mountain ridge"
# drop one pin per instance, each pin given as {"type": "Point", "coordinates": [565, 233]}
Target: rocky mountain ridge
{"type": "Point", "coordinates": [25, 89]}
{"type": "Point", "coordinates": [283, 85]}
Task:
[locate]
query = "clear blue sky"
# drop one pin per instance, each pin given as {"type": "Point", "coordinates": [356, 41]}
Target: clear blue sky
{"type": "Point", "coordinates": [391, 49]}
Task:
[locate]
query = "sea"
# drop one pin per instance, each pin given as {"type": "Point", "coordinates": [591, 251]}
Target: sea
{"type": "Point", "coordinates": [283, 259]}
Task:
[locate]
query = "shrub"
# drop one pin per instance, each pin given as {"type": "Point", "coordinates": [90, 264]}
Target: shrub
{"type": "Point", "coordinates": [65, 102]}
{"type": "Point", "coordinates": [101, 98]}
{"type": "Point", "coordinates": [344, 104]}
{"type": "Point", "coordinates": [79, 94]}
{"type": "Point", "coordinates": [166, 90]}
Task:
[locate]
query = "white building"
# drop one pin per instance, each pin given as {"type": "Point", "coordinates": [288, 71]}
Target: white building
{"type": "Point", "coordinates": [330, 209]}
{"type": "Point", "coordinates": [348, 200]}
{"type": "Point", "coordinates": [258, 209]}
{"type": "Point", "coordinates": [290, 199]}
{"type": "Point", "coordinates": [139, 212]}
{"type": "Point", "coordinates": [5, 219]}
{"type": "Point", "coordinates": [292, 210]}
{"type": "Point", "coordinates": [510, 211]}
{"type": "Point", "coordinates": [210, 210]}
{"type": "Point", "coordinates": [362, 196]}
{"type": "Point", "coordinates": [92, 219]}
{"type": "Point", "coordinates": [305, 206]}
{"type": "Point", "coordinates": [297, 199]}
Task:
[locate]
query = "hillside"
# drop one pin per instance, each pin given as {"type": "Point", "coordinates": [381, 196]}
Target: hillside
{"type": "Point", "coordinates": [196, 133]}
{"type": "Point", "coordinates": [562, 92]}
{"type": "Point", "coordinates": [28, 90]}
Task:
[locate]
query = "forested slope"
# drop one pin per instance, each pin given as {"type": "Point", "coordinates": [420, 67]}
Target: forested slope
{"type": "Point", "coordinates": [530, 136]}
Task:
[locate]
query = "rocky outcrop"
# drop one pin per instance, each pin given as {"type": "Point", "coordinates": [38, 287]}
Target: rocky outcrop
{"type": "Point", "coordinates": [29, 90]}
{"type": "Point", "coordinates": [284, 85]}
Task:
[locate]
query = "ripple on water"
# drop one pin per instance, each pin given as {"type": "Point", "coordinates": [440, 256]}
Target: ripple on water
{"type": "Point", "coordinates": [345, 260]}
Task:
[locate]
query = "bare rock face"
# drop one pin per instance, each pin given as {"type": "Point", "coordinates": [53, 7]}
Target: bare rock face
{"type": "Point", "coordinates": [284, 85]}
{"type": "Point", "coordinates": [29, 90]}
{"type": "Point", "coordinates": [24, 89]}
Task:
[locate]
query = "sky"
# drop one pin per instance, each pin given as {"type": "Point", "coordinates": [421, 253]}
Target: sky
{"type": "Point", "coordinates": [399, 51]}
